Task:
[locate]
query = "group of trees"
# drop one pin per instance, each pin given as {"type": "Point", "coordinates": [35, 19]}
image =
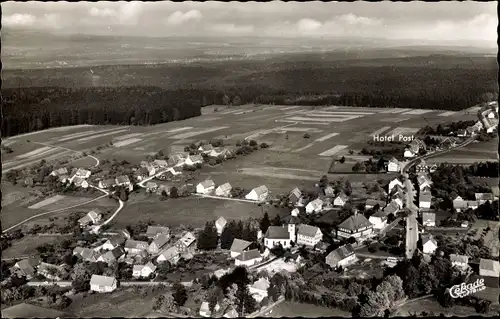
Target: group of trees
{"type": "Point", "coordinates": [245, 230]}
{"type": "Point", "coordinates": [173, 301]}
{"type": "Point", "coordinates": [482, 169]}
{"type": "Point", "coordinates": [393, 150]}
{"type": "Point", "coordinates": [446, 129]}
{"type": "Point", "coordinates": [46, 107]}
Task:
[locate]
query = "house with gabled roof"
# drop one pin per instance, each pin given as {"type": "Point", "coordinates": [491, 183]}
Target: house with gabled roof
{"type": "Point", "coordinates": [81, 173]}
{"type": "Point", "coordinates": [103, 283]}
{"type": "Point", "coordinates": [239, 246]}
{"type": "Point", "coordinates": [107, 183]}
{"type": "Point", "coordinates": [112, 255]}
{"type": "Point", "coordinates": [393, 165]}
{"type": "Point", "coordinates": [459, 261]}
{"type": "Point", "coordinates": [59, 172]}
{"type": "Point", "coordinates": [314, 206]}
{"type": "Point", "coordinates": [158, 243]}
{"type": "Point", "coordinates": [379, 220]}
{"type": "Point", "coordinates": [192, 160]}
{"type": "Point", "coordinates": [459, 204]}
{"type": "Point", "coordinates": [86, 254]}
{"type": "Point", "coordinates": [308, 235]}
{"type": "Point", "coordinates": [248, 258]}
{"type": "Point", "coordinates": [93, 217]}
{"type": "Point", "coordinates": [143, 271]}
{"type": "Point", "coordinates": [231, 313]}
{"type": "Point", "coordinates": [133, 247]}
{"type": "Point", "coordinates": [397, 195]}
{"type": "Point", "coordinates": [185, 242]}
{"type": "Point", "coordinates": [424, 200]}
{"type": "Point", "coordinates": [160, 163]}
{"type": "Point", "coordinates": [356, 226]}
{"type": "Point", "coordinates": [429, 219]}
{"type": "Point", "coordinates": [205, 187]}
{"type": "Point", "coordinates": [258, 289]}
{"type": "Point", "coordinates": [341, 257]}
{"type": "Point", "coordinates": [123, 180]}
{"type": "Point", "coordinates": [52, 272]}
{"type": "Point", "coordinates": [489, 270]}
{"type": "Point", "coordinates": [472, 204]}
{"type": "Point", "coordinates": [276, 235]}
{"type": "Point", "coordinates": [220, 223]}
{"type": "Point", "coordinates": [205, 149]}
{"type": "Point", "coordinates": [258, 194]}
{"type": "Point", "coordinates": [217, 151]}
{"type": "Point", "coordinates": [423, 181]}
{"type": "Point", "coordinates": [329, 191]}
{"type": "Point", "coordinates": [171, 254]}
{"type": "Point", "coordinates": [26, 267]}
{"type": "Point", "coordinates": [80, 182]}
{"type": "Point", "coordinates": [223, 190]}
{"type": "Point", "coordinates": [393, 183]}
{"type": "Point", "coordinates": [462, 133]}
{"type": "Point", "coordinates": [295, 196]}
{"type": "Point", "coordinates": [113, 242]}
{"type": "Point", "coordinates": [177, 160]}
{"type": "Point", "coordinates": [341, 199]}
{"type": "Point", "coordinates": [155, 231]}
{"type": "Point", "coordinates": [429, 244]}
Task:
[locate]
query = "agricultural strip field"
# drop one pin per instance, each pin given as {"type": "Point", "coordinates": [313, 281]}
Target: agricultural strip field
{"type": "Point", "coordinates": [449, 113]}
{"type": "Point", "coordinates": [89, 138]}
{"type": "Point", "coordinates": [66, 201]}
{"type": "Point", "coordinates": [326, 137]}
{"type": "Point", "coordinates": [47, 201]}
{"type": "Point", "coordinates": [60, 155]}
{"type": "Point", "coordinates": [35, 152]}
{"type": "Point", "coordinates": [195, 133]}
{"type": "Point", "coordinates": [279, 173]}
{"type": "Point", "coordinates": [417, 112]}
{"type": "Point", "coordinates": [127, 136]}
{"type": "Point", "coordinates": [333, 150]}
{"type": "Point", "coordinates": [322, 119]}
{"type": "Point", "coordinates": [127, 142]}
{"type": "Point", "coordinates": [402, 130]}
{"type": "Point", "coordinates": [380, 131]}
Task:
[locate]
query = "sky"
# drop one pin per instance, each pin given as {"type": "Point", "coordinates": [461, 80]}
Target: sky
{"type": "Point", "coordinates": [416, 21]}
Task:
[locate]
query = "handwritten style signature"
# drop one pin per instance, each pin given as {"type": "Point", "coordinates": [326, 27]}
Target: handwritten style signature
{"type": "Point", "coordinates": [462, 290]}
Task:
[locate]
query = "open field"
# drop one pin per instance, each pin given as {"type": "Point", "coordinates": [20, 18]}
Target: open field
{"type": "Point", "coordinates": [293, 309]}
{"type": "Point", "coordinates": [67, 201]}
{"type": "Point", "coordinates": [48, 201]}
{"type": "Point", "coordinates": [28, 244]}
{"type": "Point", "coordinates": [127, 142]}
{"type": "Point", "coordinates": [192, 211]}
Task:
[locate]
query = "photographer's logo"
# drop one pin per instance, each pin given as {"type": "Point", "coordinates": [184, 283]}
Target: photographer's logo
{"type": "Point", "coordinates": [460, 291]}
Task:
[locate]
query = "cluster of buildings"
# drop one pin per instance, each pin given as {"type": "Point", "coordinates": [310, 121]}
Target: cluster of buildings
{"type": "Point", "coordinates": [33, 266]}
{"type": "Point", "coordinates": [77, 176]}
{"type": "Point", "coordinates": [207, 187]}
{"type": "Point", "coordinates": [460, 204]}
{"type": "Point", "coordinates": [413, 149]}
{"type": "Point", "coordinates": [488, 116]}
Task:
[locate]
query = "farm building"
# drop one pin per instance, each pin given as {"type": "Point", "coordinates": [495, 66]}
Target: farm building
{"type": "Point", "coordinates": [205, 187]}
{"type": "Point", "coordinates": [158, 243]}
{"type": "Point", "coordinates": [86, 254]}
{"type": "Point", "coordinates": [341, 199]}
{"type": "Point", "coordinates": [482, 198]}
{"type": "Point", "coordinates": [424, 200]}
{"type": "Point", "coordinates": [26, 267]}
{"type": "Point", "coordinates": [135, 246]}
{"type": "Point", "coordinates": [170, 254]}
{"type": "Point", "coordinates": [176, 160]}
{"type": "Point", "coordinates": [224, 190]}
{"type": "Point", "coordinates": [155, 231]}
{"type": "Point", "coordinates": [123, 180]}
{"type": "Point", "coordinates": [192, 160]}
{"type": "Point", "coordinates": [459, 204]}
{"type": "Point", "coordinates": [143, 271]}
{"type": "Point", "coordinates": [342, 256]}
{"type": "Point", "coordinates": [295, 196]}
{"type": "Point", "coordinates": [113, 242]}
{"type": "Point", "coordinates": [93, 217]}
{"type": "Point", "coordinates": [112, 255]}
{"type": "Point", "coordinates": [151, 187]}
{"type": "Point", "coordinates": [59, 172]}
{"type": "Point", "coordinates": [107, 183]}
{"type": "Point", "coordinates": [248, 258]}
{"type": "Point", "coordinates": [258, 194]}
{"type": "Point", "coordinates": [314, 206]}
{"type": "Point", "coordinates": [102, 283]}
{"type": "Point", "coordinates": [356, 226]}
{"type": "Point", "coordinates": [393, 183]}
{"type": "Point", "coordinates": [206, 149]}
{"type": "Point", "coordinates": [239, 246]}
{"type": "Point", "coordinates": [258, 289]}
{"type": "Point", "coordinates": [52, 272]}
{"type": "Point", "coordinates": [80, 182]}
{"type": "Point", "coordinates": [185, 242]}
{"type": "Point", "coordinates": [379, 220]}
{"type": "Point", "coordinates": [429, 244]}
{"type": "Point", "coordinates": [140, 174]}
{"type": "Point", "coordinates": [160, 163]}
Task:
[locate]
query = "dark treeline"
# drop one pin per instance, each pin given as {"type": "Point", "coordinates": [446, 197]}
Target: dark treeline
{"type": "Point", "coordinates": [37, 108]}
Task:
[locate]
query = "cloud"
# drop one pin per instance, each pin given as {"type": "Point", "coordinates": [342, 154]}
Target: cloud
{"type": "Point", "coordinates": [307, 25]}
{"type": "Point", "coordinates": [353, 19]}
{"type": "Point", "coordinates": [19, 20]}
{"type": "Point", "coordinates": [231, 28]}
{"type": "Point", "coordinates": [179, 17]}
{"type": "Point", "coordinates": [129, 12]}
{"type": "Point", "coordinates": [102, 13]}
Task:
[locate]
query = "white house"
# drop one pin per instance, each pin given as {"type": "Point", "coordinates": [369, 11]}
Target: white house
{"type": "Point", "coordinates": [459, 204]}
{"type": "Point", "coordinates": [223, 190]}
{"type": "Point", "coordinates": [258, 194]}
{"type": "Point", "coordinates": [429, 244]}
{"type": "Point", "coordinates": [220, 224]}
{"type": "Point", "coordinates": [356, 226]}
{"type": "Point", "coordinates": [314, 206]}
{"type": "Point", "coordinates": [429, 219]}
{"type": "Point", "coordinates": [193, 160]}
{"type": "Point", "coordinates": [80, 182]}
{"type": "Point", "coordinates": [248, 258]}
{"type": "Point", "coordinates": [461, 133]}
{"type": "Point", "coordinates": [393, 165]}
{"type": "Point", "coordinates": [206, 149]}
{"type": "Point", "coordinates": [424, 200]}
{"type": "Point", "coordinates": [472, 204]}
{"type": "Point", "coordinates": [341, 199]}
{"type": "Point", "coordinates": [59, 172]}
{"type": "Point", "coordinates": [258, 289]}
{"type": "Point", "coordinates": [160, 163]}
{"type": "Point", "coordinates": [278, 235]}
{"type": "Point", "coordinates": [459, 261]}
{"type": "Point", "coordinates": [107, 183]}
{"type": "Point", "coordinates": [239, 246]}
{"type": "Point", "coordinates": [102, 283]}
{"type": "Point", "coordinates": [342, 256]}
{"type": "Point", "coordinates": [205, 187]}
{"type": "Point", "coordinates": [308, 235]}
{"type": "Point", "coordinates": [423, 181]}
{"type": "Point", "coordinates": [170, 254]}
{"type": "Point", "coordinates": [379, 220]}
{"type": "Point", "coordinates": [393, 183]}
{"type": "Point", "coordinates": [93, 217]}
{"type": "Point", "coordinates": [146, 270]}
{"type": "Point", "coordinates": [113, 242]}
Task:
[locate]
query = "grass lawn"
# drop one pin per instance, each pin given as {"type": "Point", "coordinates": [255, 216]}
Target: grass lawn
{"type": "Point", "coordinates": [28, 244]}
{"type": "Point", "coordinates": [431, 305]}
{"type": "Point", "coordinates": [122, 303]}
{"type": "Point", "coordinates": [490, 294]}
{"type": "Point", "coordinates": [192, 211]}
{"type": "Point", "coordinates": [293, 309]}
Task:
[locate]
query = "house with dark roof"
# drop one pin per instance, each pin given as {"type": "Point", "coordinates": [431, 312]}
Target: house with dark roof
{"type": "Point", "coordinates": [356, 226]}
{"type": "Point", "coordinates": [342, 256]}
{"type": "Point", "coordinates": [294, 196]}
{"type": "Point", "coordinates": [26, 267]}
{"type": "Point", "coordinates": [155, 231]}
{"type": "Point", "coordinates": [489, 270]}
{"type": "Point", "coordinates": [135, 246]}
{"type": "Point", "coordinates": [205, 187]}
{"type": "Point", "coordinates": [248, 258]}
{"type": "Point", "coordinates": [308, 235]}
{"type": "Point", "coordinates": [239, 246]}
{"type": "Point", "coordinates": [158, 243]}
{"type": "Point", "coordinates": [112, 255]}
{"type": "Point", "coordinates": [429, 219]}
{"type": "Point", "coordinates": [276, 235]}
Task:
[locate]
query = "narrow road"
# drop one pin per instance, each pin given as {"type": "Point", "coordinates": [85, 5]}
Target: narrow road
{"type": "Point", "coordinates": [68, 149]}
{"type": "Point", "coordinates": [115, 213]}
{"type": "Point", "coordinates": [52, 212]}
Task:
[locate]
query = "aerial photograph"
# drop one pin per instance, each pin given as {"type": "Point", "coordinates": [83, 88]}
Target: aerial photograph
{"type": "Point", "coordinates": [249, 159]}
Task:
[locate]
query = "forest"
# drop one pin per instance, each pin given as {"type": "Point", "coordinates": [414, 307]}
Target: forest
{"type": "Point", "coordinates": [151, 94]}
{"type": "Point", "coordinates": [47, 107]}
